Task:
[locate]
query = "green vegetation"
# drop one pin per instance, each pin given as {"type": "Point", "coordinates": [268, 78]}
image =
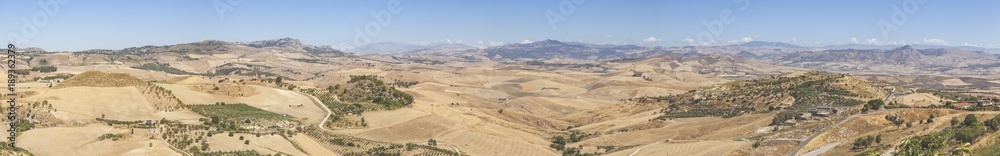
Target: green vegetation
{"type": "Point", "coordinates": [231, 153]}
{"type": "Point", "coordinates": [874, 104]}
{"type": "Point", "coordinates": [22, 71]}
{"type": "Point", "coordinates": [368, 88]}
{"type": "Point", "coordinates": [23, 125]}
{"type": "Point", "coordinates": [245, 72]}
{"type": "Point", "coordinates": [404, 84]}
{"type": "Point", "coordinates": [782, 117]}
{"type": "Point", "coordinates": [16, 150]}
{"type": "Point", "coordinates": [119, 122]}
{"type": "Point", "coordinates": [992, 148]}
{"type": "Point", "coordinates": [165, 67]}
{"type": "Point", "coordinates": [952, 140]}
{"type": "Point", "coordinates": [870, 153]}
{"type": "Point", "coordinates": [45, 69]}
{"type": "Point", "coordinates": [764, 95]}
{"type": "Point", "coordinates": [58, 76]}
{"type": "Point", "coordinates": [612, 149]}
{"type": "Point", "coordinates": [368, 147]}
{"type": "Point", "coordinates": [559, 143]}
{"type": "Point", "coordinates": [238, 110]}
{"type": "Point", "coordinates": [113, 137]}
{"type": "Point", "coordinates": [865, 142]}
{"type": "Point", "coordinates": [236, 117]}
{"type": "Point", "coordinates": [362, 93]}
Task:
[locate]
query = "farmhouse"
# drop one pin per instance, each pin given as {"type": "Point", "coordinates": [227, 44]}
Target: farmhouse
{"type": "Point", "coordinates": [963, 105]}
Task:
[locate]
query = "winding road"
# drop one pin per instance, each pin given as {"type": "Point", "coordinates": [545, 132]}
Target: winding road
{"type": "Point", "coordinates": [640, 148]}
{"type": "Point", "coordinates": [175, 148]}
{"type": "Point", "coordinates": [320, 104]}
{"type": "Point", "coordinates": [329, 113]}
{"type": "Point", "coordinates": [804, 143]}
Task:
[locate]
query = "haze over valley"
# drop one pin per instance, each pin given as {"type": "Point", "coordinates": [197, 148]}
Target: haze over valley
{"type": "Point", "coordinates": [518, 78]}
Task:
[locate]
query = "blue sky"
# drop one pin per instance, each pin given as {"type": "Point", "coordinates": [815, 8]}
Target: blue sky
{"type": "Point", "coordinates": [101, 24]}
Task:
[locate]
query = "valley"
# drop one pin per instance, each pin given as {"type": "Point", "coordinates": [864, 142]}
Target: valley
{"type": "Point", "coordinates": [282, 97]}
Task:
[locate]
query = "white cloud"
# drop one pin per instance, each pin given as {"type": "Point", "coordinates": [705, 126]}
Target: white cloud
{"type": "Point", "coordinates": [525, 42]}
{"type": "Point", "coordinates": [741, 40]}
{"type": "Point", "coordinates": [606, 36]}
{"type": "Point", "coordinates": [690, 41]}
{"type": "Point", "coordinates": [854, 40]}
{"type": "Point", "coordinates": [495, 43]}
{"type": "Point", "coordinates": [650, 39]}
{"type": "Point", "coordinates": [971, 45]}
{"type": "Point", "coordinates": [424, 43]}
{"type": "Point", "coordinates": [873, 41]}
{"type": "Point", "coordinates": [933, 41]}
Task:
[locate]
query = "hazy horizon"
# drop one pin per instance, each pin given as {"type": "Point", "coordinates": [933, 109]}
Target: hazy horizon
{"type": "Point", "coordinates": [74, 26]}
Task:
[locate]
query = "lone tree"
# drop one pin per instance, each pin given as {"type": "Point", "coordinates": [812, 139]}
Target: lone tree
{"type": "Point", "coordinates": [277, 80]}
{"type": "Point", "coordinates": [878, 139]}
{"type": "Point", "coordinates": [432, 142]}
{"type": "Point", "coordinates": [896, 120]}
{"type": "Point", "coordinates": [874, 104]}
{"type": "Point", "coordinates": [970, 120]}
{"type": "Point", "coordinates": [954, 121]}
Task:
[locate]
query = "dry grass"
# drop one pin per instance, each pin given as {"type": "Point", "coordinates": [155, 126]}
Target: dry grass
{"type": "Point", "coordinates": [227, 89]}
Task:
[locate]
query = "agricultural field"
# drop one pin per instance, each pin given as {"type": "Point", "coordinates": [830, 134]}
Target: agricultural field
{"type": "Point", "coordinates": [283, 97]}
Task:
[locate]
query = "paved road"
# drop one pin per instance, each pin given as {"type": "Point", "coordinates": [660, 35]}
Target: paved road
{"type": "Point", "coordinates": [822, 150]}
{"type": "Point", "coordinates": [804, 143]}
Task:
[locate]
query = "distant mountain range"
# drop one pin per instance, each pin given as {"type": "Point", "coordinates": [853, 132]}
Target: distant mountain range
{"type": "Point", "coordinates": [219, 47]}
{"type": "Point", "coordinates": [762, 44]}
{"type": "Point", "coordinates": [846, 58]}
{"type": "Point", "coordinates": [393, 47]}
{"type": "Point", "coordinates": [904, 56]}
{"type": "Point", "coordinates": [916, 46]}
{"type": "Point", "coordinates": [556, 50]}
{"type": "Point", "coordinates": [765, 44]}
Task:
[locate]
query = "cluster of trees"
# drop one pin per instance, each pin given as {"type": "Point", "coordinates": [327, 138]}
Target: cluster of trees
{"type": "Point", "coordinates": [867, 141]}
{"type": "Point", "coordinates": [895, 119]}
{"type": "Point", "coordinates": [959, 137]}
{"type": "Point", "coordinates": [236, 117]}
{"type": "Point", "coordinates": [368, 88]}
{"type": "Point", "coordinates": [921, 145]}
{"type": "Point", "coordinates": [164, 67]}
{"type": "Point", "coordinates": [342, 142]}
{"type": "Point", "coordinates": [740, 97]}
{"type": "Point", "coordinates": [45, 69]}
{"type": "Point", "coordinates": [782, 117]}
{"type": "Point", "coordinates": [404, 84]}
{"type": "Point", "coordinates": [559, 143]}
{"type": "Point", "coordinates": [873, 105]}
